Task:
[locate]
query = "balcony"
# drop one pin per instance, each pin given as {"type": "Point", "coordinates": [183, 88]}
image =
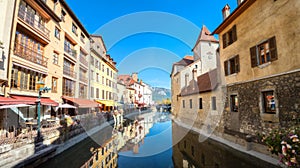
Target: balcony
{"type": "Point", "coordinates": [29, 54]}
{"type": "Point", "coordinates": [70, 51]}
{"type": "Point", "coordinates": [34, 23]}
{"type": "Point", "coordinates": [83, 78]}
{"type": "Point", "coordinates": [83, 61]}
{"type": "Point", "coordinates": [69, 72]}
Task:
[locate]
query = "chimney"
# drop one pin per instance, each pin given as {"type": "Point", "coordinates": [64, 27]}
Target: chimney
{"type": "Point", "coordinates": [194, 74]}
{"type": "Point", "coordinates": [239, 2]}
{"type": "Point", "coordinates": [226, 11]}
{"type": "Point", "coordinates": [135, 76]}
{"type": "Point", "coordinates": [194, 78]}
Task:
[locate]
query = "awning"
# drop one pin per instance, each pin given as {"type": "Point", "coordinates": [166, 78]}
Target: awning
{"type": "Point", "coordinates": [81, 103]}
{"type": "Point", "coordinates": [11, 101]}
{"type": "Point", "coordinates": [14, 105]}
{"type": "Point", "coordinates": [32, 100]}
{"type": "Point", "coordinates": [106, 102]}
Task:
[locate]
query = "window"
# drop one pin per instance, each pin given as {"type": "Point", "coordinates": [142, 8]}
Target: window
{"type": "Point", "coordinates": [57, 33]}
{"type": "Point", "coordinates": [62, 16]}
{"type": "Point", "coordinates": [25, 79]}
{"type": "Point", "coordinates": [97, 64]}
{"type": "Point", "coordinates": [232, 65]}
{"type": "Point", "coordinates": [55, 58]}
{"type": "Point", "coordinates": [200, 103]}
{"type": "Point", "coordinates": [269, 105]}
{"type": "Point", "coordinates": [97, 93]}
{"type": "Point", "coordinates": [183, 103]}
{"type": "Point", "coordinates": [92, 75]}
{"type": "Point", "coordinates": [92, 61]}
{"type": "Point", "coordinates": [229, 37]}
{"type": "Point", "coordinates": [68, 87]}
{"type": "Point", "coordinates": [102, 68]}
{"type": "Point", "coordinates": [264, 52]}
{"type": "Point", "coordinates": [82, 37]}
{"type": "Point", "coordinates": [97, 77]}
{"type": "Point", "coordinates": [191, 103]}
{"type": "Point", "coordinates": [102, 94]}
{"type": "Point", "coordinates": [54, 85]}
{"type": "Point", "coordinates": [186, 77]}
{"type": "Point", "coordinates": [193, 151]}
{"type": "Point", "coordinates": [234, 103]}
{"type": "Point", "coordinates": [107, 71]}
{"type": "Point", "coordinates": [102, 80]}
{"type": "Point", "coordinates": [92, 92]}
{"type": "Point", "coordinates": [213, 103]}
{"type": "Point", "coordinates": [74, 29]}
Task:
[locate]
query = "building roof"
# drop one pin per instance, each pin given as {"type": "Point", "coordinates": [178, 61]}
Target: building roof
{"type": "Point", "coordinates": [205, 83]}
{"type": "Point", "coordinates": [236, 13]}
{"type": "Point", "coordinates": [187, 60]}
{"type": "Point", "coordinates": [205, 35]}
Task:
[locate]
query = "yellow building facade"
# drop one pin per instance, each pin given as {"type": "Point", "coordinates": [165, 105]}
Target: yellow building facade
{"type": "Point", "coordinates": [103, 75]}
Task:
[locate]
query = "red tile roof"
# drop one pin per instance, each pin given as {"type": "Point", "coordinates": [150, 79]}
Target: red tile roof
{"type": "Point", "coordinates": [205, 35]}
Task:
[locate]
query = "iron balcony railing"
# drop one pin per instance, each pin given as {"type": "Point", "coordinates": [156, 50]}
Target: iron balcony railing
{"type": "Point", "coordinates": [83, 60]}
{"type": "Point", "coordinates": [69, 72]}
{"type": "Point", "coordinates": [34, 23]}
{"type": "Point", "coordinates": [29, 54]}
{"type": "Point", "coordinates": [70, 51]}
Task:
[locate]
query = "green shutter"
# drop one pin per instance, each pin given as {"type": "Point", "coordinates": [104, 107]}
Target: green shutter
{"type": "Point", "coordinates": [273, 49]}
{"type": "Point", "coordinates": [253, 56]}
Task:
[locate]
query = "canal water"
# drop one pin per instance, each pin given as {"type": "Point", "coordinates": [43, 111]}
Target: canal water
{"type": "Point", "coordinates": [154, 146]}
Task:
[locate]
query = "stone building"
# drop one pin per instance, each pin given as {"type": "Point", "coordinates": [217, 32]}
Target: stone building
{"type": "Point", "coordinates": [260, 60]}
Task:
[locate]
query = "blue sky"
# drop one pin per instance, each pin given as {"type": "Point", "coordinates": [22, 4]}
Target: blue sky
{"type": "Point", "coordinates": [147, 36]}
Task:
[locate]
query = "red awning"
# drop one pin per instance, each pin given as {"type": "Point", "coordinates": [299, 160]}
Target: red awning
{"type": "Point", "coordinates": [10, 101]}
{"type": "Point", "coordinates": [81, 103]}
{"type": "Point", "coordinates": [32, 100]}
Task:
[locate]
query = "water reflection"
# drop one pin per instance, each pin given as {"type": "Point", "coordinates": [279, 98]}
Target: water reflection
{"type": "Point", "coordinates": [190, 153]}
{"type": "Point", "coordinates": [154, 148]}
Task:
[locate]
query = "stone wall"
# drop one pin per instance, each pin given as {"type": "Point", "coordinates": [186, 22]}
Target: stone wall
{"type": "Point", "coordinates": [250, 118]}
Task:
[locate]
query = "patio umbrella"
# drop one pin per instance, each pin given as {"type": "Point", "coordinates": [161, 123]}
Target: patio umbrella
{"type": "Point", "coordinates": [66, 106]}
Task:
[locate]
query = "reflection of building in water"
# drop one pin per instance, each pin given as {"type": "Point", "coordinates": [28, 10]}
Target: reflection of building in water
{"type": "Point", "coordinates": [105, 156]}
{"type": "Point", "coordinates": [133, 132]}
{"type": "Point", "coordinates": [190, 153]}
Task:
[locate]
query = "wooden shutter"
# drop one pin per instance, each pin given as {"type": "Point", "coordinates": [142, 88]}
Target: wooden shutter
{"type": "Point", "coordinates": [234, 35]}
{"type": "Point", "coordinates": [237, 64]}
{"type": "Point", "coordinates": [273, 48]}
{"type": "Point", "coordinates": [224, 40]}
{"type": "Point", "coordinates": [226, 67]}
{"type": "Point", "coordinates": [253, 56]}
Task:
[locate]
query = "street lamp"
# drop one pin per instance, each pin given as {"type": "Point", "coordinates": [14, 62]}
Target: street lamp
{"type": "Point", "coordinates": [41, 88]}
